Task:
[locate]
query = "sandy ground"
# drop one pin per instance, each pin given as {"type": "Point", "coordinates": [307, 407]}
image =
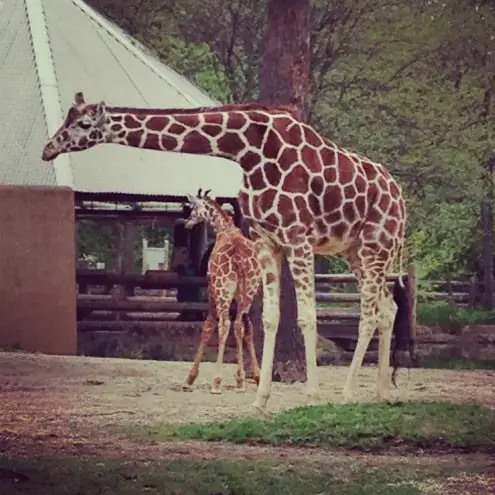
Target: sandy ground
{"type": "Point", "coordinates": [54, 405]}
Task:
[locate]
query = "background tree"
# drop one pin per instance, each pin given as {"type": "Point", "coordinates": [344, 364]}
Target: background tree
{"type": "Point", "coordinates": [410, 84]}
{"type": "Point", "coordinates": [284, 79]}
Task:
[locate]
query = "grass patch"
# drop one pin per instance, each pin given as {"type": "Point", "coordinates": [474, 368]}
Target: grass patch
{"type": "Point", "coordinates": [450, 362]}
{"type": "Point", "coordinates": [444, 313]}
{"type": "Point", "coordinates": [372, 427]}
{"type": "Point", "coordinates": [102, 477]}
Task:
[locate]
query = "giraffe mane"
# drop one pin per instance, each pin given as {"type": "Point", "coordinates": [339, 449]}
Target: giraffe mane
{"type": "Point", "coordinates": [218, 208]}
{"type": "Point", "coordinates": [291, 110]}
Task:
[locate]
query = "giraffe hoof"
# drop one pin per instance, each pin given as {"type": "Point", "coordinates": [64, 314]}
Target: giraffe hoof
{"type": "Point", "coordinates": [241, 389]}
{"type": "Point", "coordinates": [258, 410]}
{"type": "Point", "coordinates": [216, 391]}
{"type": "Point", "coordinates": [349, 398]}
{"type": "Point", "coordinates": [385, 397]}
{"type": "Point", "coordinates": [312, 397]}
{"type": "Point", "coordinates": [260, 404]}
{"type": "Point", "coordinates": [187, 388]}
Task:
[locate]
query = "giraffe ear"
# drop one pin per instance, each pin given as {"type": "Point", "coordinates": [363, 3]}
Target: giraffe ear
{"type": "Point", "coordinates": [191, 199]}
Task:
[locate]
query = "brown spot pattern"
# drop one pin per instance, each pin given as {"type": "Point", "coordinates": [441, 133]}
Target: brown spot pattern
{"type": "Point", "coordinates": [131, 122]}
{"type": "Point", "coordinates": [311, 159]}
{"type": "Point", "coordinates": [159, 123]}
{"type": "Point", "coordinates": [297, 181]}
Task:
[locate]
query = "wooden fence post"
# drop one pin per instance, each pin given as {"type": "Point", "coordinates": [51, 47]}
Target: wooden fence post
{"type": "Point", "coordinates": [412, 303]}
{"type": "Point", "coordinates": [448, 283]}
{"type": "Point", "coordinates": [473, 287]}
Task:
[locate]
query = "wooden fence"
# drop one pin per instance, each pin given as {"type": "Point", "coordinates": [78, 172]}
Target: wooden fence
{"type": "Point", "coordinates": [129, 309]}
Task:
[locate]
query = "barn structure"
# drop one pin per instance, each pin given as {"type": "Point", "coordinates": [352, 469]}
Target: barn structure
{"type": "Point", "coordinates": [49, 50]}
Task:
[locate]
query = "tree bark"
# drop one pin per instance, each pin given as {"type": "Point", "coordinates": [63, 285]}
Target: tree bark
{"type": "Point", "coordinates": [284, 79]}
{"type": "Point", "coordinates": [284, 72]}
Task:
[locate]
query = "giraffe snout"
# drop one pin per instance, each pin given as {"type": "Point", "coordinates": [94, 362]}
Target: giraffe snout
{"type": "Point", "coordinates": [49, 152]}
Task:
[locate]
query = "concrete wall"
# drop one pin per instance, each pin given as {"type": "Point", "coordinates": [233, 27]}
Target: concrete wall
{"type": "Point", "coordinates": [37, 269]}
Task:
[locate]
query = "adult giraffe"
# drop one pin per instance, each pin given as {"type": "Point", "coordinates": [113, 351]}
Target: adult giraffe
{"type": "Point", "coordinates": [302, 194]}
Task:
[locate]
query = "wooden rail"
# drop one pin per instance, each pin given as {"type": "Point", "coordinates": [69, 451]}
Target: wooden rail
{"type": "Point", "coordinates": [144, 314]}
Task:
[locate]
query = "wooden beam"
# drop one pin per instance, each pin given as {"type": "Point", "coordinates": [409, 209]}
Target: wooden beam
{"type": "Point", "coordinates": [109, 303]}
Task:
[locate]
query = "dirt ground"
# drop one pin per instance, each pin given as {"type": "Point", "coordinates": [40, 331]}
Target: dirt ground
{"type": "Point", "coordinates": [54, 405]}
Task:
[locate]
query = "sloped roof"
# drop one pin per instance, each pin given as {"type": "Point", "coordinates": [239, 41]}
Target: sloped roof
{"type": "Point", "coordinates": [49, 50]}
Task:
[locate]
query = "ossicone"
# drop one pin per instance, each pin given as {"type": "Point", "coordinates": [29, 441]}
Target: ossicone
{"type": "Point", "coordinates": [79, 98]}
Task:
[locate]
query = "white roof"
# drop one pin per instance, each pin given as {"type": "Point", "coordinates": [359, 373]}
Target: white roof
{"type": "Point", "coordinates": [49, 50]}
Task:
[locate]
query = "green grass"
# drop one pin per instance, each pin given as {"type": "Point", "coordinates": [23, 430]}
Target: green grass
{"type": "Point", "coordinates": [448, 314]}
{"type": "Point", "coordinates": [102, 477]}
{"type": "Point", "coordinates": [372, 427]}
{"type": "Point", "coordinates": [441, 361]}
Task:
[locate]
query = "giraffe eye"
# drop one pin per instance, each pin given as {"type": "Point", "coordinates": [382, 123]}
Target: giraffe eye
{"type": "Point", "coordinates": [84, 125]}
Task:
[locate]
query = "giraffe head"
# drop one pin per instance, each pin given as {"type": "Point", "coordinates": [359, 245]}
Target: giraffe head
{"type": "Point", "coordinates": [206, 209]}
{"type": "Point", "coordinates": [84, 127]}
{"type": "Point", "coordinates": [200, 209]}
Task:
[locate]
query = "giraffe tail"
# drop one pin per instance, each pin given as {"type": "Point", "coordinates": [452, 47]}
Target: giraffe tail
{"type": "Point", "coordinates": [400, 278]}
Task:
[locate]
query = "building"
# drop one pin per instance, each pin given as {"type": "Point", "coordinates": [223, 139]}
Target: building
{"type": "Point", "coordinates": [49, 50]}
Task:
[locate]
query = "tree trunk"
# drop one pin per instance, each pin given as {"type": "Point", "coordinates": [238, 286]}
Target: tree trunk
{"type": "Point", "coordinates": [488, 245]}
{"type": "Point", "coordinates": [284, 79]}
{"type": "Point", "coordinates": [284, 74]}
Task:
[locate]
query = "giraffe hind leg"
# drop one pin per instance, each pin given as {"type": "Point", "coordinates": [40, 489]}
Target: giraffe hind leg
{"type": "Point", "coordinates": [223, 333]}
{"type": "Point", "coordinates": [240, 376]}
{"type": "Point", "coordinates": [271, 266]}
{"type": "Point", "coordinates": [249, 337]}
{"type": "Point", "coordinates": [206, 333]}
{"type": "Point", "coordinates": [386, 318]}
{"type": "Point", "coordinates": [301, 263]}
{"type": "Point", "coordinates": [370, 271]}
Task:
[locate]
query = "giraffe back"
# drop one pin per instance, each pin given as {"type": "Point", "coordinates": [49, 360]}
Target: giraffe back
{"type": "Point", "coordinates": [234, 270]}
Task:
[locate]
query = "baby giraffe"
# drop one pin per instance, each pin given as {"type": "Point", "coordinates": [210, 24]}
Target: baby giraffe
{"type": "Point", "coordinates": [234, 275]}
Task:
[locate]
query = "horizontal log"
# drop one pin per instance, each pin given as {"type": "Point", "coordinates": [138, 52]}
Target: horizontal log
{"type": "Point", "coordinates": [141, 327]}
{"type": "Point", "coordinates": [338, 297]}
{"type": "Point", "coordinates": [444, 296]}
{"type": "Point", "coordinates": [325, 314]}
{"type": "Point", "coordinates": [156, 279]}
{"type": "Point", "coordinates": [134, 304]}
{"type": "Point", "coordinates": [338, 333]}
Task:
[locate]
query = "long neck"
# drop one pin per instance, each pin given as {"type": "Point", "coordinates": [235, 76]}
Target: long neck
{"type": "Point", "coordinates": [219, 220]}
{"type": "Point", "coordinates": [206, 131]}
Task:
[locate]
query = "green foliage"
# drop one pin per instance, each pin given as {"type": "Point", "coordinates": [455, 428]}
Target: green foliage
{"type": "Point", "coordinates": [447, 361]}
{"type": "Point", "coordinates": [98, 240]}
{"type": "Point", "coordinates": [374, 426]}
{"type": "Point", "coordinates": [411, 84]}
{"type": "Point", "coordinates": [449, 315]}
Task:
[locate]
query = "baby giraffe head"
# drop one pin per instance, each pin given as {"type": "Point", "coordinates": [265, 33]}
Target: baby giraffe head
{"type": "Point", "coordinates": [84, 127]}
{"type": "Point", "coordinates": [200, 209]}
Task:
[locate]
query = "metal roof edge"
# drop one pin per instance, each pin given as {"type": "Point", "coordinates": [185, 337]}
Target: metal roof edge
{"type": "Point", "coordinates": [146, 60]}
{"type": "Point", "coordinates": [48, 84]}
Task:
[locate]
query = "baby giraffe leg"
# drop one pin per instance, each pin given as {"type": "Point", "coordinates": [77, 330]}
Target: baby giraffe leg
{"type": "Point", "coordinates": [239, 338]}
{"type": "Point", "coordinates": [249, 336]}
{"type": "Point", "coordinates": [223, 333]}
{"type": "Point", "coordinates": [206, 333]}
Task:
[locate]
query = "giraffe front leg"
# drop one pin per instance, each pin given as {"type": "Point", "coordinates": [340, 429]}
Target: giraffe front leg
{"type": "Point", "coordinates": [301, 263]}
{"type": "Point", "coordinates": [206, 333]}
{"type": "Point", "coordinates": [271, 266]}
{"type": "Point", "coordinates": [368, 323]}
{"type": "Point", "coordinates": [223, 333]}
{"type": "Point", "coordinates": [240, 376]}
